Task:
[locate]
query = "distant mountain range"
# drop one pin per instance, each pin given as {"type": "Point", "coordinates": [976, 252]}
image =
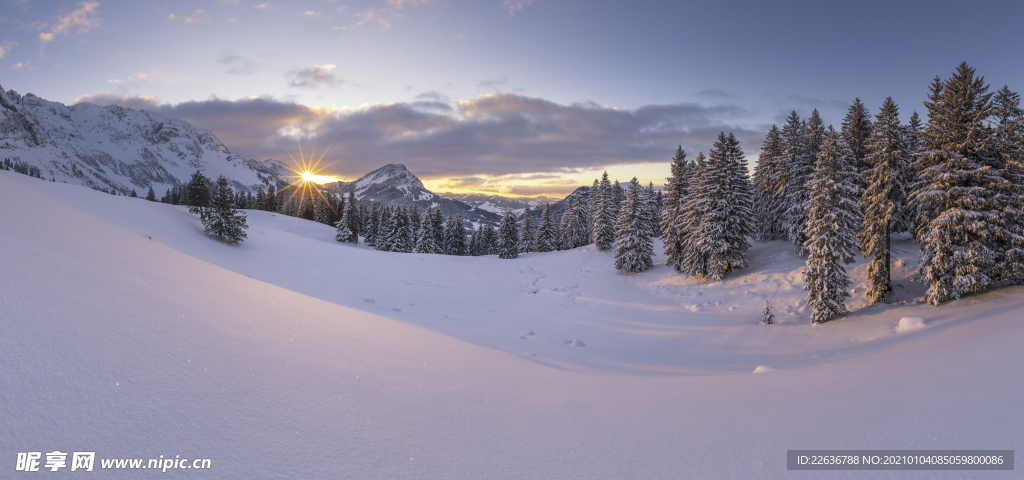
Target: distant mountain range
{"type": "Point", "coordinates": [123, 149]}
{"type": "Point", "coordinates": [117, 148]}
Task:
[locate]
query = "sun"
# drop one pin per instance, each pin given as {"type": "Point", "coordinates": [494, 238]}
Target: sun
{"type": "Point", "coordinates": [309, 176]}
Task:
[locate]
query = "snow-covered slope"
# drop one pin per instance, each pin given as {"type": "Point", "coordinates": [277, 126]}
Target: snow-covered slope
{"type": "Point", "coordinates": [126, 331]}
{"type": "Point", "coordinates": [499, 204]}
{"type": "Point", "coordinates": [393, 184]}
{"type": "Point", "coordinates": [116, 148]}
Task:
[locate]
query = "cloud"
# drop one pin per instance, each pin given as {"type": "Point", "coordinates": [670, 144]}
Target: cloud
{"type": "Point", "coordinates": [486, 136]}
{"type": "Point", "coordinates": [237, 65]}
{"type": "Point", "coordinates": [196, 17]}
{"type": "Point", "coordinates": [314, 77]}
{"type": "Point", "coordinates": [374, 18]}
{"type": "Point", "coordinates": [6, 47]}
{"type": "Point", "coordinates": [516, 6]}
{"type": "Point", "coordinates": [17, 66]}
{"type": "Point", "coordinates": [717, 93]}
{"type": "Point", "coordinates": [82, 20]}
{"type": "Point", "coordinates": [408, 3]}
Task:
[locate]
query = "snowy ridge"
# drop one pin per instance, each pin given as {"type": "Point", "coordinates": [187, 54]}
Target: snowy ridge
{"type": "Point", "coordinates": [116, 148]}
{"type": "Point", "coordinates": [393, 184]}
{"type": "Point", "coordinates": [499, 204]}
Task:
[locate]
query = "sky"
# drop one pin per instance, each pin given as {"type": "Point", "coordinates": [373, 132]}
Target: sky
{"type": "Point", "coordinates": [518, 97]}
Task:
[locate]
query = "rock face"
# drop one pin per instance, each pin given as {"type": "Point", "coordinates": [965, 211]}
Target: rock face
{"type": "Point", "coordinates": [393, 184]}
{"type": "Point", "coordinates": [117, 148]}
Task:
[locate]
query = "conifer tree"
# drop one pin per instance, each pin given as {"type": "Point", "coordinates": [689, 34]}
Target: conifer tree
{"type": "Point", "coordinates": [652, 199]}
{"type": "Point", "coordinates": [426, 241]}
{"type": "Point", "coordinates": [490, 240]}
{"type": "Point", "coordinates": [739, 222]}
{"type": "Point", "coordinates": [454, 235]}
{"type": "Point", "coordinates": [198, 195]}
{"type": "Point", "coordinates": [321, 208]}
{"type": "Point", "coordinates": [546, 231]}
{"type": "Point", "coordinates": [618, 195]}
{"type": "Point", "coordinates": [671, 217]}
{"type": "Point", "coordinates": [574, 225]}
{"type": "Point", "coordinates": [633, 245]}
{"type": "Point", "coordinates": [373, 226]}
{"type": "Point", "coordinates": [884, 200]}
{"type": "Point", "coordinates": [602, 221]}
{"type": "Point", "coordinates": [527, 241]}
{"type": "Point", "coordinates": [343, 232]}
{"type": "Point", "coordinates": [766, 315]}
{"type": "Point", "coordinates": [404, 241]}
{"type": "Point", "coordinates": [960, 214]}
{"type": "Point", "coordinates": [151, 195]}
{"type": "Point", "coordinates": [833, 210]}
{"type": "Point", "coordinates": [799, 165]}
{"type": "Point", "coordinates": [856, 132]}
{"type": "Point", "coordinates": [1009, 145]}
{"type": "Point", "coordinates": [770, 187]}
{"type": "Point", "coordinates": [222, 220]}
{"type": "Point", "coordinates": [697, 207]}
{"type": "Point", "coordinates": [508, 237]}
{"type": "Point", "coordinates": [475, 243]}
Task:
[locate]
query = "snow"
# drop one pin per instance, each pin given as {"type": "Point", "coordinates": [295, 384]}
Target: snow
{"type": "Point", "coordinates": [763, 369]}
{"type": "Point", "coordinates": [909, 324]}
{"type": "Point", "coordinates": [125, 330]}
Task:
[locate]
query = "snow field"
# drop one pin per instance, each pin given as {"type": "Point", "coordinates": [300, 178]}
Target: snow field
{"type": "Point", "coordinates": [125, 330]}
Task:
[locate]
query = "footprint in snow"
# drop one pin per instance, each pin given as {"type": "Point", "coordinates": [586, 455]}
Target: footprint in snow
{"type": "Point", "coordinates": [369, 300]}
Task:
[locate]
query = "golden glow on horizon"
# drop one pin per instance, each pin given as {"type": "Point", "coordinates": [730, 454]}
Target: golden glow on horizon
{"type": "Point", "coordinates": [309, 176]}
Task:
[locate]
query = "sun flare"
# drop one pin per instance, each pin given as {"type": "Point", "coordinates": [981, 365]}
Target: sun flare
{"type": "Point", "coordinates": [309, 176]}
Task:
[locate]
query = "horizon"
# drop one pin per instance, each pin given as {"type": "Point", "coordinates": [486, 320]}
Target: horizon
{"type": "Point", "coordinates": [518, 98]}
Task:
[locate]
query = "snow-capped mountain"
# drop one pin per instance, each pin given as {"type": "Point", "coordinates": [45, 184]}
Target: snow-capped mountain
{"type": "Point", "coordinates": [393, 184]}
{"type": "Point", "coordinates": [558, 208]}
{"type": "Point", "coordinates": [117, 148]}
{"type": "Point", "coordinates": [499, 204]}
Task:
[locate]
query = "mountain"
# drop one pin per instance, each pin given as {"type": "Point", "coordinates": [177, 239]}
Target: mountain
{"type": "Point", "coordinates": [117, 148]}
{"type": "Point", "coordinates": [558, 208]}
{"type": "Point", "coordinates": [499, 204]}
{"type": "Point", "coordinates": [393, 184]}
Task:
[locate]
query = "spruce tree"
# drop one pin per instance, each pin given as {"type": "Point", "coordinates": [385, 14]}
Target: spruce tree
{"type": "Point", "coordinates": [1009, 145]}
{"type": "Point", "coordinates": [151, 195]}
{"type": "Point", "coordinates": [652, 198]}
{"type": "Point", "coordinates": [959, 209]}
{"type": "Point", "coordinates": [547, 240]}
{"type": "Point", "coordinates": [426, 241]}
{"type": "Point", "coordinates": [770, 176]}
{"type": "Point", "coordinates": [696, 209]}
{"type": "Point", "coordinates": [222, 220]}
{"type": "Point", "coordinates": [766, 315]}
{"type": "Point", "coordinates": [833, 210]}
{"type": "Point", "coordinates": [633, 245]}
{"type": "Point", "coordinates": [574, 225]}
{"type": "Point", "coordinates": [198, 195]}
{"type": "Point", "coordinates": [799, 165]}
{"type": "Point", "coordinates": [671, 217]}
{"type": "Point", "coordinates": [739, 206]}
{"type": "Point", "coordinates": [404, 240]}
{"type": "Point", "coordinates": [602, 221]}
{"type": "Point", "coordinates": [454, 235]}
{"type": "Point", "coordinates": [321, 207]}
{"type": "Point", "coordinates": [373, 226]}
{"type": "Point", "coordinates": [856, 132]}
{"type": "Point", "coordinates": [884, 200]}
{"type": "Point", "coordinates": [508, 237]}
{"type": "Point", "coordinates": [527, 241]}
{"type": "Point", "coordinates": [343, 232]}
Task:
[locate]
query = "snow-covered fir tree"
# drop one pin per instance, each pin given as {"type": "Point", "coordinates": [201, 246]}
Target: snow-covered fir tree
{"type": "Point", "coordinates": [739, 206]}
{"type": "Point", "coordinates": [342, 231]}
{"type": "Point", "coordinates": [427, 240]}
{"type": "Point", "coordinates": [547, 240]}
{"type": "Point", "coordinates": [766, 315]}
{"type": "Point", "coordinates": [959, 211]}
{"type": "Point", "coordinates": [696, 208]}
{"type": "Point", "coordinates": [1009, 139]}
{"type": "Point", "coordinates": [652, 199]}
{"type": "Point", "coordinates": [574, 229]}
{"type": "Point", "coordinates": [617, 196]}
{"type": "Point", "coordinates": [404, 241]}
{"type": "Point", "coordinates": [602, 223]}
{"type": "Point", "coordinates": [372, 226]}
{"type": "Point", "coordinates": [799, 165]}
{"type": "Point", "coordinates": [527, 241]}
{"type": "Point", "coordinates": [770, 186]}
{"type": "Point", "coordinates": [884, 200]}
{"type": "Point", "coordinates": [151, 195]}
{"type": "Point", "coordinates": [508, 237]}
{"type": "Point", "coordinates": [222, 220]}
{"type": "Point", "coordinates": [671, 216]}
{"type": "Point", "coordinates": [490, 240]}
{"type": "Point", "coordinates": [454, 235]}
{"type": "Point", "coordinates": [321, 207]}
{"type": "Point", "coordinates": [856, 132]}
{"type": "Point", "coordinates": [198, 195]}
{"type": "Point", "coordinates": [414, 220]}
{"type": "Point", "coordinates": [833, 211]}
{"type": "Point", "coordinates": [633, 246]}
{"type": "Point", "coordinates": [475, 243]}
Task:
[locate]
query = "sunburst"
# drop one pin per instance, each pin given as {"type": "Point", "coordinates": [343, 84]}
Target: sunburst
{"type": "Point", "coordinates": [307, 178]}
